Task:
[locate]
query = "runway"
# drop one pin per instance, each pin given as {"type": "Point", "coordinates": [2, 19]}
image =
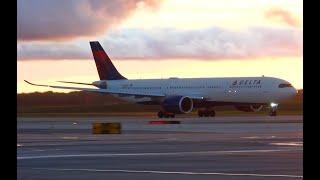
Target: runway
{"type": "Point", "coordinates": [255, 147]}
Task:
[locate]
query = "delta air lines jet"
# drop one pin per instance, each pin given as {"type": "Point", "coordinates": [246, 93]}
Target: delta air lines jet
{"type": "Point", "coordinates": [182, 95]}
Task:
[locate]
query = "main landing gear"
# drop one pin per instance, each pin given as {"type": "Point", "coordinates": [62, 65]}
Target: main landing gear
{"type": "Point", "coordinates": [273, 113]}
{"type": "Point", "coordinates": [206, 113]}
{"type": "Point", "coordinates": [162, 114]}
{"type": "Point", "coordinates": [273, 109]}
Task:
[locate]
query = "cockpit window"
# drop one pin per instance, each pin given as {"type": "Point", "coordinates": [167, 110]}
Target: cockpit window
{"type": "Point", "coordinates": [284, 85]}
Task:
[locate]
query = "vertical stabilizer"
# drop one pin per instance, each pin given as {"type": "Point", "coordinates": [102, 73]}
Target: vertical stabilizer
{"type": "Point", "coordinates": [105, 68]}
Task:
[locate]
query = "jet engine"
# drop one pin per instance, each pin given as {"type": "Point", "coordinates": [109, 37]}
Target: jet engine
{"type": "Point", "coordinates": [249, 108]}
{"type": "Point", "coordinates": [177, 104]}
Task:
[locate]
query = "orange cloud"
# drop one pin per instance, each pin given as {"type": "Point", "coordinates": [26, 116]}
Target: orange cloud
{"type": "Point", "coordinates": [282, 15]}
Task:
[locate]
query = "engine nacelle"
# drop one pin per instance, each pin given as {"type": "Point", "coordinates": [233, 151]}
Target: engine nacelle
{"type": "Point", "coordinates": [249, 108]}
{"type": "Point", "coordinates": [177, 104]}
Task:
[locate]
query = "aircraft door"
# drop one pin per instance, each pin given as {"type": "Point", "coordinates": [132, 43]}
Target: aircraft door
{"type": "Point", "coordinates": [165, 86]}
{"type": "Point", "coordinates": [169, 86]}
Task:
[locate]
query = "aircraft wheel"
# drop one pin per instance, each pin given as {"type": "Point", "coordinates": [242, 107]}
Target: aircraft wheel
{"type": "Point", "coordinates": [160, 114]}
{"type": "Point", "coordinates": [273, 113]}
{"type": "Point", "coordinates": [200, 113]}
{"type": "Point", "coordinates": [212, 113]}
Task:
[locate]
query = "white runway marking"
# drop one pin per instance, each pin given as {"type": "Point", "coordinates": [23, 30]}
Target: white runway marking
{"type": "Point", "coordinates": [288, 144]}
{"type": "Point", "coordinates": [37, 150]}
{"type": "Point", "coordinates": [71, 137]}
{"type": "Point", "coordinates": [251, 137]}
{"type": "Point", "coordinates": [155, 154]}
{"type": "Point", "coordinates": [172, 172]}
{"type": "Point", "coordinates": [40, 150]}
{"type": "Point", "coordinates": [259, 137]}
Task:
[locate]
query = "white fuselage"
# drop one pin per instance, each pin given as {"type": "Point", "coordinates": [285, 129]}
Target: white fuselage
{"type": "Point", "coordinates": [238, 89]}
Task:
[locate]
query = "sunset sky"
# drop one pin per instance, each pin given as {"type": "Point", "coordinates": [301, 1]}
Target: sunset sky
{"type": "Point", "coordinates": [159, 39]}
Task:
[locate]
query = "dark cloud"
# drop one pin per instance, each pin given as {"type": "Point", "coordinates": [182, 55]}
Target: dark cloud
{"type": "Point", "coordinates": [52, 51]}
{"type": "Point", "coordinates": [212, 43]}
{"type": "Point", "coordinates": [282, 15]}
{"type": "Point", "coordinates": [40, 20]}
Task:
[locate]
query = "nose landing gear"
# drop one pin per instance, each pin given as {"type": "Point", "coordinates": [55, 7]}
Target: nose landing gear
{"type": "Point", "coordinates": [273, 113]}
{"type": "Point", "coordinates": [273, 109]}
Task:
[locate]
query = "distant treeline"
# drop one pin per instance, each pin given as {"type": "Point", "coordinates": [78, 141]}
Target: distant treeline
{"type": "Point", "coordinates": [95, 102]}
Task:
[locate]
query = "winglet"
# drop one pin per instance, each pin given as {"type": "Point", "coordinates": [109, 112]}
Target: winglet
{"type": "Point", "coordinates": [28, 82]}
{"type": "Point", "coordinates": [35, 84]}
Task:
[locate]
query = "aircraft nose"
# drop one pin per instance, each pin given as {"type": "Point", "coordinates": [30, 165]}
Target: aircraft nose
{"type": "Point", "coordinates": [293, 92]}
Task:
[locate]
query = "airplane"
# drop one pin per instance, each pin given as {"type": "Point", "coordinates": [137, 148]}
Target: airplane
{"type": "Point", "coordinates": [182, 95]}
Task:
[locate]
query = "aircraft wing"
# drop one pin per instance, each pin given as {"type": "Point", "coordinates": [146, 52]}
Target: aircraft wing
{"type": "Point", "coordinates": [122, 92]}
{"type": "Point", "coordinates": [66, 87]}
{"type": "Point", "coordinates": [111, 91]}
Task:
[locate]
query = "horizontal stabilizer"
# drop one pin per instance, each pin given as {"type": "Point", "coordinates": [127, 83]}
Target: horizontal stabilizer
{"type": "Point", "coordinates": [75, 82]}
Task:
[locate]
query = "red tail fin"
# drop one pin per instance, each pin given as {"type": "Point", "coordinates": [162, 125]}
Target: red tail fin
{"type": "Point", "coordinates": [105, 68]}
